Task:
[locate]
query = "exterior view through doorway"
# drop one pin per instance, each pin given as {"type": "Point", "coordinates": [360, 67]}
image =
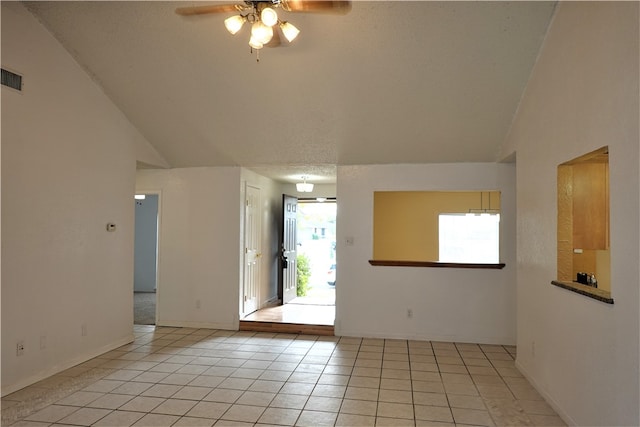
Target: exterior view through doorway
{"type": "Point", "coordinates": [307, 265]}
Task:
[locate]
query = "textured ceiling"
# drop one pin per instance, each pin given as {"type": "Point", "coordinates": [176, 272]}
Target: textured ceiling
{"type": "Point", "coordinates": [390, 82]}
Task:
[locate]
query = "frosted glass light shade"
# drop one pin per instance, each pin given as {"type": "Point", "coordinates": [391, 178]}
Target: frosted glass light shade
{"type": "Point", "coordinates": [234, 23]}
{"type": "Point", "coordinates": [261, 32]}
{"type": "Point", "coordinates": [256, 44]}
{"type": "Point", "coordinates": [269, 17]}
{"type": "Point", "coordinates": [304, 187]}
{"type": "Point", "coordinates": [289, 30]}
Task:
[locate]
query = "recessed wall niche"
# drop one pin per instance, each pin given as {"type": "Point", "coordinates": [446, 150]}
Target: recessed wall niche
{"type": "Point", "coordinates": [583, 224]}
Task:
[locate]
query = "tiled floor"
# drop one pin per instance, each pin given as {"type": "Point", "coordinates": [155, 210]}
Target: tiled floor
{"type": "Point", "coordinates": [201, 377]}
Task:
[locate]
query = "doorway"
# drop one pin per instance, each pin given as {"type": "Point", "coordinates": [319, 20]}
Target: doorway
{"type": "Point", "coordinates": [307, 267]}
{"type": "Point", "coordinates": [145, 259]}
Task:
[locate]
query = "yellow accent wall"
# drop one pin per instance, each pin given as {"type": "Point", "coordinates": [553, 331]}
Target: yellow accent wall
{"type": "Point", "coordinates": [405, 223]}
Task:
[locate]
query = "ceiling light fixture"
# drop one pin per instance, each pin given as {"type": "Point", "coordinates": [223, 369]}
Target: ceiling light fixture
{"type": "Point", "coordinates": [263, 19]}
{"type": "Point", "coordinates": [304, 186]}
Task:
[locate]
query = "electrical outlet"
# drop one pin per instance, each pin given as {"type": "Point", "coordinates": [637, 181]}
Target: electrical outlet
{"type": "Point", "coordinates": [409, 313]}
{"type": "Point", "coordinates": [20, 348]}
{"type": "Point", "coordinates": [43, 342]}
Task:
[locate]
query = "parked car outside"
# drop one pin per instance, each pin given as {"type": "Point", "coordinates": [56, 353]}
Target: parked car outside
{"type": "Point", "coordinates": [331, 275]}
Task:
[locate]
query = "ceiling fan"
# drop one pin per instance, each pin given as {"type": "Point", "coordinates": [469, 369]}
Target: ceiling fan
{"type": "Point", "coordinates": [263, 17]}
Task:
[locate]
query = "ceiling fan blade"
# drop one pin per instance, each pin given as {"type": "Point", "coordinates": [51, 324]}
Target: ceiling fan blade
{"type": "Point", "coordinates": [215, 8]}
{"type": "Point", "coordinates": [317, 6]}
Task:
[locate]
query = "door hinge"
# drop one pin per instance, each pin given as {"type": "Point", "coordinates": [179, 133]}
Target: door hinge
{"type": "Point", "coordinates": [245, 298]}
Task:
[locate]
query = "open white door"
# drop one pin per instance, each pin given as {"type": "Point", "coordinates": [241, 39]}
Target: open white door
{"type": "Point", "coordinates": [288, 256]}
{"type": "Point", "coordinates": [252, 251]}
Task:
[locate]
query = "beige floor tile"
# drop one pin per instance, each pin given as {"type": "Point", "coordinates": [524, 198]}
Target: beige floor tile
{"type": "Point", "coordinates": [304, 377]}
{"type": "Point", "coordinates": [367, 372]}
{"type": "Point", "coordinates": [157, 420]}
{"type": "Point", "coordinates": [394, 384]}
{"type": "Point", "coordinates": [453, 369]}
{"type": "Point", "coordinates": [328, 390]}
{"type": "Point", "coordinates": [368, 382]}
{"type": "Point", "coordinates": [472, 416]}
{"type": "Point", "coordinates": [236, 383]}
{"type": "Point", "coordinates": [142, 404]}
{"type": "Point", "coordinates": [79, 398]}
{"type": "Point", "coordinates": [361, 393]}
{"type": "Point", "coordinates": [395, 364]}
{"type": "Point", "coordinates": [525, 392]}
{"type": "Point", "coordinates": [395, 396]}
{"type": "Point", "coordinates": [424, 366]}
{"type": "Point", "coordinates": [333, 379]}
{"type": "Point", "coordinates": [223, 395]}
{"type": "Point", "coordinates": [425, 423]}
{"type": "Point", "coordinates": [466, 402]}
{"type": "Point", "coordinates": [289, 401]}
{"type": "Point", "coordinates": [279, 416]}
{"type": "Point", "coordinates": [120, 419]}
{"type": "Point", "coordinates": [350, 420]}
{"type": "Point", "coordinates": [52, 413]}
{"type": "Point", "coordinates": [192, 393]}
{"type": "Point", "coordinates": [161, 390]}
{"type": "Point", "coordinates": [359, 407]}
{"type": "Point", "coordinates": [194, 422]}
{"type": "Point", "coordinates": [174, 407]}
{"type": "Point", "coordinates": [398, 374]}
{"type": "Point", "coordinates": [451, 378]}
{"type": "Point", "coordinates": [132, 388]}
{"type": "Point", "coordinates": [433, 413]}
{"type": "Point", "coordinates": [487, 379]}
{"type": "Point", "coordinates": [325, 404]}
{"type": "Point", "coordinates": [395, 410]}
{"type": "Point", "coordinates": [388, 422]}
{"type": "Point", "coordinates": [494, 391]}
{"type": "Point", "coordinates": [430, 399]}
{"type": "Point", "coordinates": [123, 374]}
{"type": "Point", "coordinates": [466, 389]}
{"type": "Point", "coordinates": [426, 376]}
{"type": "Point", "coordinates": [422, 357]}
{"type": "Point", "coordinates": [85, 416]}
{"type": "Point", "coordinates": [449, 360]}
{"type": "Point", "coordinates": [212, 410]}
{"type": "Point", "coordinates": [316, 418]}
{"type": "Point", "coordinates": [246, 413]}
{"type": "Point", "coordinates": [110, 401]}
{"type": "Point", "coordinates": [148, 377]}
{"type": "Point", "coordinates": [104, 386]}
{"type": "Point", "coordinates": [471, 361]}
{"type": "Point", "coordinates": [368, 363]}
{"type": "Point", "coordinates": [297, 388]}
{"type": "Point", "coordinates": [255, 398]}
{"type": "Point", "coordinates": [428, 386]}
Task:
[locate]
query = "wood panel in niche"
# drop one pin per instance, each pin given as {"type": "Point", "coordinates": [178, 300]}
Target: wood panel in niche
{"type": "Point", "coordinates": [583, 218]}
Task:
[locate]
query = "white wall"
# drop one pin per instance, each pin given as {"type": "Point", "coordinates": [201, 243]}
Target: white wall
{"type": "Point", "coordinates": [198, 249]}
{"type": "Point", "coordinates": [582, 95]}
{"type": "Point", "coordinates": [68, 168]}
{"type": "Point", "coordinates": [463, 305]}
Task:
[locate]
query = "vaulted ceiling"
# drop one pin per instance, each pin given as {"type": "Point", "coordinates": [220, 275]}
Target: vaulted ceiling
{"type": "Point", "coordinates": [390, 82]}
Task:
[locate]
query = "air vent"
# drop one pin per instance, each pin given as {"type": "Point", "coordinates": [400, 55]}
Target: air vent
{"type": "Point", "coordinates": [12, 80]}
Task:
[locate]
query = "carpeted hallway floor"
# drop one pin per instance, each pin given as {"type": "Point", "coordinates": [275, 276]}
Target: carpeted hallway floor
{"type": "Point", "coordinates": [144, 308]}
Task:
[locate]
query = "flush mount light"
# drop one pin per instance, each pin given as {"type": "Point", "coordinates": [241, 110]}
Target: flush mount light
{"type": "Point", "coordinates": [139, 197]}
{"type": "Point", "coordinates": [304, 186]}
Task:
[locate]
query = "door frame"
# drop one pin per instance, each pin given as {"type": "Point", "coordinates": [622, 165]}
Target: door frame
{"type": "Point", "coordinates": [158, 246]}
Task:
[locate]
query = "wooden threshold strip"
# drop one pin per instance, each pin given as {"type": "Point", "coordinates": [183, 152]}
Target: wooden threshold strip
{"type": "Point", "coordinates": [286, 328]}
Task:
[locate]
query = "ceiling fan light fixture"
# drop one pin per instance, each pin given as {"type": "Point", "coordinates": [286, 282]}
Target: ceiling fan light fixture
{"type": "Point", "coordinates": [289, 30]}
{"type": "Point", "coordinates": [261, 33]}
{"type": "Point", "coordinates": [269, 17]}
{"type": "Point", "coordinates": [234, 23]}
